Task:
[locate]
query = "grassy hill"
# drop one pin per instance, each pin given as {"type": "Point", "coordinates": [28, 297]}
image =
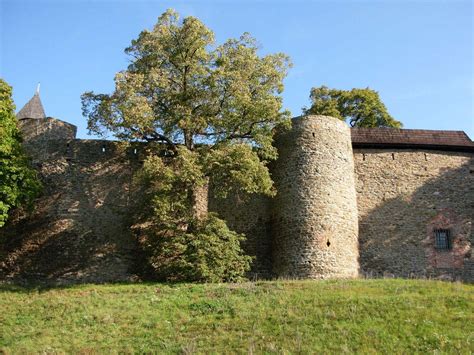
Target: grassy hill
{"type": "Point", "coordinates": [388, 316]}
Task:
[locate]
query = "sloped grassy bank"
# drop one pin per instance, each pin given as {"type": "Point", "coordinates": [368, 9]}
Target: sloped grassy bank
{"type": "Point", "coordinates": [391, 316]}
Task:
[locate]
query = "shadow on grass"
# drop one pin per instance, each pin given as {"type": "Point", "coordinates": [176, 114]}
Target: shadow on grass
{"type": "Point", "coordinates": [39, 287]}
{"type": "Point", "coordinates": [42, 286]}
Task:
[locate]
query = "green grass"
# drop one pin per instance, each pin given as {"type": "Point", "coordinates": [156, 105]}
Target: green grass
{"type": "Point", "coordinates": [365, 316]}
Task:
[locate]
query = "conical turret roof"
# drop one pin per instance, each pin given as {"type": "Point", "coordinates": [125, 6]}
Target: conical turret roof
{"type": "Point", "coordinates": [32, 109]}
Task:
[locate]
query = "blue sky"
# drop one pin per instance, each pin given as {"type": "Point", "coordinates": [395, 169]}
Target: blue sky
{"type": "Point", "coordinates": [417, 54]}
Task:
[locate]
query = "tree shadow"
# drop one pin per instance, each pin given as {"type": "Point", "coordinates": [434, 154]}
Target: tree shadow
{"type": "Point", "coordinates": [79, 230]}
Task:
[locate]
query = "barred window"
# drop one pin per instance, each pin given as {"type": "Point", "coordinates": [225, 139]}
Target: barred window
{"type": "Point", "coordinates": [442, 239]}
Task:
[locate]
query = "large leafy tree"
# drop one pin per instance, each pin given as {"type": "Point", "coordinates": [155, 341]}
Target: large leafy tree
{"type": "Point", "coordinates": [358, 107]}
{"type": "Point", "coordinates": [18, 182]}
{"type": "Point", "coordinates": [214, 109]}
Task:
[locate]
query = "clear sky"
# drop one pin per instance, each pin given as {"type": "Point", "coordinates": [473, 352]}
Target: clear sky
{"type": "Point", "coordinates": [417, 54]}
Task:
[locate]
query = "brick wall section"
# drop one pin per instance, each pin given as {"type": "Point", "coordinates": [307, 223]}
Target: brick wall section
{"type": "Point", "coordinates": [315, 211]}
{"type": "Point", "coordinates": [460, 230]}
{"type": "Point", "coordinates": [403, 195]}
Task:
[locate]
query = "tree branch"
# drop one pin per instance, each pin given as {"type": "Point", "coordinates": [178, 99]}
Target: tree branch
{"type": "Point", "coordinates": [155, 137]}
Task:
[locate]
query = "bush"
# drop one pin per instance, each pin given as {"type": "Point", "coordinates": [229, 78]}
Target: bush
{"type": "Point", "coordinates": [212, 253]}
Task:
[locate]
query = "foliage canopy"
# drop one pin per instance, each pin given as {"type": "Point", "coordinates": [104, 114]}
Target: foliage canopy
{"type": "Point", "coordinates": [18, 182]}
{"type": "Point", "coordinates": [214, 108]}
{"type": "Point", "coordinates": [181, 89]}
{"type": "Point", "coordinates": [360, 107]}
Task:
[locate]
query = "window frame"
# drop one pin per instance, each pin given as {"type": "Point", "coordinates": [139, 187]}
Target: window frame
{"type": "Point", "coordinates": [444, 235]}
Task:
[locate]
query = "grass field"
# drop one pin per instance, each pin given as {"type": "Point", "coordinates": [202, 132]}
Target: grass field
{"type": "Point", "coordinates": [367, 316]}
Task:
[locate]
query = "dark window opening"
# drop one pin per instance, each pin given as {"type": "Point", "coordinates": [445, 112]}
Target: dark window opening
{"type": "Point", "coordinates": [328, 243]}
{"type": "Point", "coordinates": [443, 239]}
{"type": "Point", "coordinates": [314, 135]}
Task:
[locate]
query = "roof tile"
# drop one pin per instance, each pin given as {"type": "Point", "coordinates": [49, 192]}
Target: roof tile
{"type": "Point", "coordinates": [409, 137]}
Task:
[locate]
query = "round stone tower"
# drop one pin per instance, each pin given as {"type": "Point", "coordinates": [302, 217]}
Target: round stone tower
{"type": "Point", "coordinates": [315, 221]}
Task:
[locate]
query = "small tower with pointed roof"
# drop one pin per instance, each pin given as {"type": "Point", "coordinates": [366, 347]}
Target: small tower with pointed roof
{"type": "Point", "coordinates": [35, 125]}
{"type": "Point", "coordinates": [33, 108]}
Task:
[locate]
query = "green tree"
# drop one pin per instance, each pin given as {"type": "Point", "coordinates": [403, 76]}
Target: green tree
{"type": "Point", "coordinates": [359, 107]}
{"type": "Point", "coordinates": [18, 182]}
{"type": "Point", "coordinates": [215, 109]}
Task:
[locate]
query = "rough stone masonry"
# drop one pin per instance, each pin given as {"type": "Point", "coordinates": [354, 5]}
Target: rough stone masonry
{"type": "Point", "coordinates": [351, 202]}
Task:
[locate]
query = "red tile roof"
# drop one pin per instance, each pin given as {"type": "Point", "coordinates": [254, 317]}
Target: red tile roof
{"type": "Point", "coordinates": [407, 138]}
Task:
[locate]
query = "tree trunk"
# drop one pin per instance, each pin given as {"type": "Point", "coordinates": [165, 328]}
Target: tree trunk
{"type": "Point", "coordinates": [200, 201]}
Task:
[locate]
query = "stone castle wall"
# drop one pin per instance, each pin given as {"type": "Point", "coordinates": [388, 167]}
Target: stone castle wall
{"type": "Point", "coordinates": [47, 128]}
{"type": "Point", "coordinates": [79, 230]}
{"type": "Point", "coordinates": [403, 196]}
{"type": "Point", "coordinates": [250, 215]}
